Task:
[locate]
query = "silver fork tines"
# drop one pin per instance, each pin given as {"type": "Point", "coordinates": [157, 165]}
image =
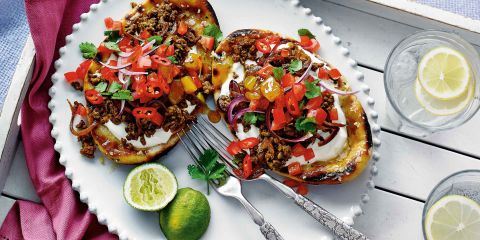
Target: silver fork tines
{"type": "Point", "coordinates": [231, 187]}
{"type": "Point", "coordinates": [204, 129]}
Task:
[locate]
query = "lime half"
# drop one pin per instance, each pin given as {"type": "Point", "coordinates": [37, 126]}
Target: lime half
{"type": "Point", "coordinates": [444, 73]}
{"type": "Point", "coordinates": [443, 107]}
{"type": "Point", "coordinates": [150, 187]}
{"type": "Point", "coordinates": [453, 217]}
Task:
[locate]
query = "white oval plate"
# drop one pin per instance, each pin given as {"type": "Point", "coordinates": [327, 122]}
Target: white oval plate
{"type": "Point", "coordinates": [100, 185]}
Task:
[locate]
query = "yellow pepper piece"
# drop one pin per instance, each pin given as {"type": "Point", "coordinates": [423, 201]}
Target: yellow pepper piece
{"type": "Point", "coordinates": [201, 97]}
{"type": "Point", "coordinates": [188, 84]}
{"type": "Point", "coordinates": [194, 62]}
{"type": "Point", "coordinates": [270, 89]}
{"type": "Point", "coordinates": [220, 72]}
{"type": "Point", "coordinates": [250, 82]}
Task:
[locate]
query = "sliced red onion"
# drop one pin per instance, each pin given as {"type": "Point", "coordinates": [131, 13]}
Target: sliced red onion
{"type": "Point", "coordinates": [115, 67]}
{"type": "Point", "coordinates": [334, 90]}
{"type": "Point", "coordinates": [240, 113]}
{"type": "Point", "coordinates": [153, 49]}
{"type": "Point", "coordinates": [122, 106]}
{"type": "Point", "coordinates": [331, 124]}
{"type": "Point", "coordinates": [129, 73]}
{"type": "Point", "coordinates": [268, 119]}
{"type": "Point", "coordinates": [121, 78]}
{"type": "Point", "coordinates": [301, 78]}
{"type": "Point", "coordinates": [232, 105]}
{"type": "Point", "coordinates": [145, 47]}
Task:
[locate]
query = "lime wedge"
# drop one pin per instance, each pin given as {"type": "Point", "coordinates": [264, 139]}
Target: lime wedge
{"type": "Point", "coordinates": [453, 217]}
{"type": "Point", "coordinates": [444, 73]}
{"type": "Point", "coordinates": [150, 187]}
{"type": "Point", "coordinates": [442, 107]}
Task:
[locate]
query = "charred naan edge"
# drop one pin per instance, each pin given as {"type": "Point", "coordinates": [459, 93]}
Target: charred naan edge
{"type": "Point", "coordinates": [111, 146]}
{"type": "Point", "coordinates": [349, 164]}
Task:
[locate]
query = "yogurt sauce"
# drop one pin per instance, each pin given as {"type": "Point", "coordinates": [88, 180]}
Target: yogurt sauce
{"type": "Point", "coordinates": [159, 137]}
{"type": "Point", "coordinates": [254, 131]}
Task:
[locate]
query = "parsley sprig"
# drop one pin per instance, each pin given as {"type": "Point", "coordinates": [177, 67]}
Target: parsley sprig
{"type": "Point", "coordinates": [209, 168]}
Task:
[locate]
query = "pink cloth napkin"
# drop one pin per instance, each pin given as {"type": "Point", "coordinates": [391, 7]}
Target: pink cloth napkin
{"type": "Point", "coordinates": [61, 214]}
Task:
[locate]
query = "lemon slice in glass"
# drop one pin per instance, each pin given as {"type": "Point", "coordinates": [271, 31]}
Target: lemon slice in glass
{"type": "Point", "coordinates": [453, 217]}
{"type": "Point", "coordinates": [444, 73]}
{"type": "Point", "coordinates": [442, 107]}
{"type": "Point", "coordinates": [150, 187]}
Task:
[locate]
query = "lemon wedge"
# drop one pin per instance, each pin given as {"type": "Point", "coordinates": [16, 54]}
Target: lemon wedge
{"type": "Point", "coordinates": [444, 73]}
{"type": "Point", "coordinates": [442, 107]}
{"type": "Point", "coordinates": [453, 217]}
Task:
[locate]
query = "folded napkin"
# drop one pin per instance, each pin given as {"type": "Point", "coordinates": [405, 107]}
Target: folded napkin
{"type": "Point", "coordinates": [61, 214]}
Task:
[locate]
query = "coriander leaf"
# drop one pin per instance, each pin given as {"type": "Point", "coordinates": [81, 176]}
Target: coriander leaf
{"type": "Point", "coordinates": [196, 172]}
{"type": "Point", "coordinates": [306, 124]}
{"type": "Point", "coordinates": [313, 90]}
{"type": "Point", "coordinates": [208, 159]}
{"type": "Point", "coordinates": [114, 87]}
{"type": "Point", "coordinates": [112, 35]}
{"type": "Point", "coordinates": [305, 32]}
{"type": "Point", "coordinates": [261, 117]}
{"type": "Point", "coordinates": [213, 31]}
{"type": "Point", "coordinates": [218, 172]}
{"type": "Point", "coordinates": [158, 40]}
{"type": "Point", "coordinates": [101, 87]}
{"type": "Point", "coordinates": [295, 65]}
{"type": "Point", "coordinates": [112, 46]}
{"type": "Point", "coordinates": [88, 50]}
{"type": "Point", "coordinates": [172, 59]}
{"type": "Point", "coordinates": [278, 73]}
{"type": "Point", "coordinates": [123, 95]}
{"type": "Point", "coordinates": [252, 118]}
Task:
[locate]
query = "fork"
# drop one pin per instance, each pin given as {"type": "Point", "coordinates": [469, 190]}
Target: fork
{"type": "Point", "coordinates": [231, 187]}
{"type": "Point", "coordinates": [218, 141]}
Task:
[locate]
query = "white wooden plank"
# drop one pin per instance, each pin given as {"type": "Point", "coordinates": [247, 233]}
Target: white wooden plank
{"type": "Point", "coordinates": [391, 217]}
{"type": "Point", "coordinates": [5, 205]}
{"type": "Point", "coordinates": [19, 183]}
{"type": "Point", "coordinates": [462, 139]}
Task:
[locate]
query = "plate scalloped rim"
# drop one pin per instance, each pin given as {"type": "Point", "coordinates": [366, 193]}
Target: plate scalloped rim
{"type": "Point", "coordinates": [355, 210]}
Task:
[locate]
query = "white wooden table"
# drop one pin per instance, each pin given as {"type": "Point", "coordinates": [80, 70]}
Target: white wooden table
{"type": "Point", "coordinates": [409, 167]}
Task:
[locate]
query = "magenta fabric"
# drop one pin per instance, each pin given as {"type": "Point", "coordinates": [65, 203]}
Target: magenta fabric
{"type": "Point", "coordinates": [61, 214]}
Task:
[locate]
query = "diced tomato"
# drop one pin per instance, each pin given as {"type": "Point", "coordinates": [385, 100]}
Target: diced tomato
{"type": "Point", "coordinates": [298, 150]}
{"type": "Point", "coordinates": [320, 116]}
{"type": "Point", "coordinates": [299, 91]}
{"type": "Point", "coordinates": [145, 62]}
{"type": "Point", "coordinates": [259, 104]}
{"type": "Point", "coordinates": [117, 25]}
{"type": "Point", "coordinates": [161, 50]}
{"type": "Point", "coordinates": [233, 148]}
{"type": "Point", "coordinates": [170, 51]}
{"type": "Point", "coordinates": [103, 50]}
{"type": "Point", "coordinates": [207, 42]}
{"type": "Point", "coordinates": [284, 53]}
{"type": "Point", "coordinates": [145, 34]}
{"type": "Point", "coordinates": [272, 39]}
{"type": "Point", "coordinates": [334, 74]}
{"type": "Point", "coordinates": [265, 71]}
{"type": "Point", "coordinates": [124, 44]}
{"type": "Point", "coordinates": [292, 105]}
{"type": "Point", "coordinates": [175, 71]}
{"type": "Point", "coordinates": [290, 182]}
{"type": "Point", "coordinates": [305, 41]}
{"type": "Point", "coordinates": [294, 169]}
{"type": "Point", "coordinates": [149, 113]}
{"type": "Point", "coordinates": [82, 69]}
{"type": "Point", "coordinates": [108, 22]}
{"type": "Point", "coordinates": [141, 93]}
{"type": "Point", "coordinates": [81, 110]}
{"type": "Point", "coordinates": [313, 47]}
{"type": "Point", "coordinates": [263, 46]}
{"type": "Point", "coordinates": [109, 74]}
{"type": "Point", "coordinates": [93, 96]}
{"type": "Point", "coordinates": [71, 76]}
{"type": "Point", "coordinates": [279, 119]}
{"type": "Point", "coordinates": [248, 143]}
{"type": "Point", "coordinates": [314, 103]}
{"type": "Point", "coordinates": [138, 80]}
{"type": "Point", "coordinates": [302, 189]}
{"type": "Point", "coordinates": [323, 74]}
{"type": "Point", "coordinates": [137, 53]}
{"type": "Point", "coordinates": [288, 80]}
{"type": "Point", "coordinates": [182, 28]}
{"type": "Point", "coordinates": [309, 154]}
{"type": "Point", "coordinates": [333, 113]}
{"type": "Point", "coordinates": [163, 61]}
{"type": "Point", "coordinates": [247, 166]}
{"type": "Point", "coordinates": [280, 102]}
{"type": "Point", "coordinates": [195, 78]}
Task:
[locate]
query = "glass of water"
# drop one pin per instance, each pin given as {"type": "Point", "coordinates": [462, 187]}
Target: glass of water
{"type": "Point", "coordinates": [407, 109]}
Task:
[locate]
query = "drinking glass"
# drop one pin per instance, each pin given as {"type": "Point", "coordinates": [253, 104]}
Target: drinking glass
{"type": "Point", "coordinates": [403, 109]}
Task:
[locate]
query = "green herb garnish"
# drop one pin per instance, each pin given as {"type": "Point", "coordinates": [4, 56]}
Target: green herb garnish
{"type": "Point", "coordinates": [101, 87]}
{"type": "Point", "coordinates": [114, 87]}
{"type": "Point", "coordinates": [278, 73]}
{"type": "Point", "coordinates": [295, 65]}
{"type": "Point", "coordinates": [209, 168]}
{"type": "Point", "coordinates": [158, 40]}
{"type": "Point", "coordinates": [112, 46]}
{"type": "Point", "coordinates": [252, 118]}
{"type": "Point", "coordinates": [172, 59]}
{"type": "Point", "coordinates": [112, 35]}
{"type": "Point", "coordinates": [313, 90]}
{"type": "Point", "coordinates": [88, 50]}
{"type": "Point", "coordinates": [305, 32]}
{"type": "Point", "coordinates": [213, 31]}
{"type": "Point", "coordinates": [123, 94]}
{"type": "Point", "coordinates": [306, 124]}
